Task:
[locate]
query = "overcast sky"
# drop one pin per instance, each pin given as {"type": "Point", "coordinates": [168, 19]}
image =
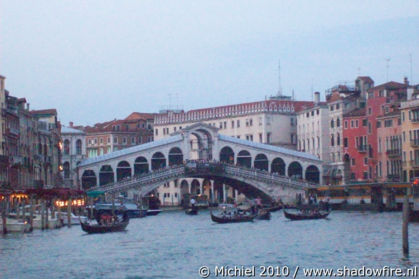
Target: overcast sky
{"type": "Point", "coordinates": [100, 60]}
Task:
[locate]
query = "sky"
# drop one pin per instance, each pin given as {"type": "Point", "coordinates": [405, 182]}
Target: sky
{"type": "Point", "coordinates": [99, 60]}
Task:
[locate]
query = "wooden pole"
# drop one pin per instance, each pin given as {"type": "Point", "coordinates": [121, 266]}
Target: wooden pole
{"type": "Point", "coordinates": [3, 215]}
{"type": "Point", "coordinates": [405, 228]}
{"type": "Point", "coordinates": [59, 216]}
{"type": "Point", "coordinates": [31, 214]}
{"type": "Point", "coordinates": [42, 214]}
{"type": "Point", "coordinates": [46, 216]}
{"type": "Point", "coordinates": [113, 205]}
{"type": "Point", "coordinates": [69, 212]}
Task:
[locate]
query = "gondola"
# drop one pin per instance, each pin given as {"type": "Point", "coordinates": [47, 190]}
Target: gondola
{"type": "Point", "coordinates": [152, 212]}
{"type": "Point", "coordinates": [263, 215]}
{"type": "Point", "coordinates": [98, 228]}
{"type": "Point", "coordinates": [275, 208]}
{"type": "Point", "coordinates": [232, 219]}
{"type": "Point", "coordinates": [191, 211]}
{"type": "Point", "coordinates": [305, 216]}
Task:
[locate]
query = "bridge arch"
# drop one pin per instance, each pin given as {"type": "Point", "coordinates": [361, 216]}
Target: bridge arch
{"type": "Point", "coordinates": [140, 165]}
{"type": "Point", "coordinates": [227, 155]}
{"type": "Point", "coordinates": [158, 161]}
{"type": "Point", "coordinates": [313, 174]}
{"type": "Point", "coordinates": [123, 170]}
{"type": "Point", "coordinates": [106, 175]}
{"type": "Point", "coordinates": [261, 162]}
{"type": "Point", "coordinates": [244, 159]}
{"type": "Point", "coordinates": [295, 170]}
{"type": "Point", "coordinates": [88, 179]}
{"type": "Point", "coordinates": [278, 166]}
{"type": "Point", "coordinates": [175, 156]}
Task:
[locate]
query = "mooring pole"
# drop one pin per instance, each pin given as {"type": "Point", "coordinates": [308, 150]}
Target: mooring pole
{"type": "Point", "coordinates": [70, 201]}
{"type": "Point", "coordinates": [405, 228]}
{"type": "Point", "coordinates": [31, 214]}
{"type": "Point", "coordinates": [3, 215]}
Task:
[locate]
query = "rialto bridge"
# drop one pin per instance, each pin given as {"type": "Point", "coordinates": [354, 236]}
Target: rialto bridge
{"type": "Point", "coordinates": [200, 151]}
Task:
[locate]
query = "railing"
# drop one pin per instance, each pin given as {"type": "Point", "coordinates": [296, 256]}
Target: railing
{"type": "Point", "coordinates": [394, 152]}
{"type": "Point", "coordinates": [362, 148]}
{"type": "Point", "coordinates": [191, 168]}
{"type": "Point", "coordinates": [414, 142]}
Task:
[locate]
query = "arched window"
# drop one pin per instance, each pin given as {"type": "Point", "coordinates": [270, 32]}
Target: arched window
{"type": "Point", "coordinates": [66, 167]}
{"type": "Point", "coordinates": [78, 147]}
{"type": "Point", "coordinates": [66, 147]}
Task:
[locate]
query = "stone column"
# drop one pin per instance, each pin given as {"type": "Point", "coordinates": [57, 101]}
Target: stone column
{"type": "Point", "coordinates": [224, 194]}
{"type": "Point", "coordinates": [236, 194]}
{"type": "Point", "coordinates": [213, 193]}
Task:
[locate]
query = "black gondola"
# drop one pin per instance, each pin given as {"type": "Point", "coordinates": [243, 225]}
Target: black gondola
{"type": "Point", "coordinates": [232, 219]}
{"type": "Point", "coordinates": [263, 214]}
{"type": "Point", "coordinates": [305, 216]}
{"type": "Point", "coordinates": [98, 228]}
{"type": "Point", "coordinates": [152, 212]}
{"type": "Point", "coordinates": [191, 211]}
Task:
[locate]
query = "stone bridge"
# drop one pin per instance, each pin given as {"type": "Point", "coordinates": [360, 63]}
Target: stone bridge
{"type": "Point", "coordinates": [247, 166]}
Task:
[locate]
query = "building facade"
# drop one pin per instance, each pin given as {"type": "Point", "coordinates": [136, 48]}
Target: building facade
{"type": "Point", "coordinates": [115, 135]}
{"type": "Point", "coordinates": [410, 134]}
{"type": "Point", "coordinates": [313, 129]}
{"type": "Point", "coordinates": [73, 152]}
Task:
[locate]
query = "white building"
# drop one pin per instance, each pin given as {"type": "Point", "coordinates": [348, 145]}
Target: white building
{"type": "Point", "coordinates": [270, 121]}
{"type": "Point", "coordinates": [313, 129]}
{"type": "Point", "coordinates": [73, 152]}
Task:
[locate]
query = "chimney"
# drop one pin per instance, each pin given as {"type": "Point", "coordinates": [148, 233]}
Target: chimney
{"type": "Point", "coordinates": [406, 81]}
{"type": "Point", "coordinates": [316, 97]}
{"type": "Point", "coordinates": [27, 106]}
{"type": "Point", "coordinates": [71, 124]}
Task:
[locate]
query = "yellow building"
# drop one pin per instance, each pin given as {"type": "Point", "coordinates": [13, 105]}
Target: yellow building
{"type": "Point", "coordinates": [410, 134]}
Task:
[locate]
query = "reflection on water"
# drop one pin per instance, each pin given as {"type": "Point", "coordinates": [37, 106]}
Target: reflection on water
{"type": "Point", "coordinates": [175, 245]}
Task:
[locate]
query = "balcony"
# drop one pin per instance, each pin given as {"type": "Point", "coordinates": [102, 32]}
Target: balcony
{"type": "Point", "coordinates": [415, 120]}
{"type": "Point", "coordinates": [16, 160]}
{"type": "Point", "coordinates": [362, 148]}
{"type": "Point", "coordinates": [414, 143]}
{"type": "Point", "coordinates": [393, 177]}
{"type": "Point", "coordinates": [394, 153]}
{"type": "Point", "coordinates": [414, 164]}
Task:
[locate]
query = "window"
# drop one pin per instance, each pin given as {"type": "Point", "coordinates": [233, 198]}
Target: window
{"type": "Point", "coordinates": [369, 111]}
{"type": "Point", "coordinates": [66, 147]}
{"type": "Point", "coordinates": [132, 140]}
{"type": "Point", "coordinates": [317, 112]}
{"type": "Point", "coordinates": [337, 106]}
{"type": "Point", "coordinates": [115, 140]}
{"type": "Point", "coordinates": [174, 129]}
{"type": "Point", "coordinates": [345, 142]}
{"type": "Point", "coordinates": [260, 137]}
{"type": "Point", "coordinates": [338, 139]}
{"type": "Point", "coordinates": [346, 124]}
{"type": "Point", "coordinates": [366, 160]}
{"type": "Point", "coordinates": [251, 122]}
{"type": "Point", "coordinates": [378, 124]}
{"type": "Point", "coordinates": [312, 113]}
{"type": "Point", "coordinates": [232, 124]}
{"type": "Point", "coordinates": [225, 124]}
{"type": "Point", "coordinates": [338, 122]}
{"type": "Point", "coordinates": [332, 123]}
{"type": "Point", "coordinates": [101, 140]}
{"type": "Point", "coordinates": [238, 123]}
{"type": "Point", "coordinates": [388, 123]}
{"type": "Point", "coordinates": [352, 124]}
{"type": "Point", "coordinates": [353, 161]}
{"type": "Point", "coordinates": [268, 137]}
{"type": "Point", "coordinates": [78, 147]}
{"type": "Point", "coordinates": [331, 108]}
{"type": "Point", "coordinates": [332, 140]}
{"type": "Point", "coordinates": [124, 140]}
{"type": "Point", "coordinates": [356, 123]}
{"type": "Point", "coordinates": [364, 122]}
{"type": "Point", "coordinates": [157, 132]}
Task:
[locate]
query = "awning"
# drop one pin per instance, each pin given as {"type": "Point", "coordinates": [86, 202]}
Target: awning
{"type": "Point", "coordinates": [95, 193]}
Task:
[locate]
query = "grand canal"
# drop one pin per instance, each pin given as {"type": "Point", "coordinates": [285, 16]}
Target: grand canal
{"type": "Point", "coordinates": [175, 245]}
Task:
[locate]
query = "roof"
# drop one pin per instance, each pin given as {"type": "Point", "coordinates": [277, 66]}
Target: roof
{"type": "Point", "coordinates": [140, 115]}
{"type": "Point", "coordinates": [44, 111]}
{"type": "Point", "coordinates": [68, 130]}
{"type": "Point", "coordinates": [356, 112]}
{"type": "Point", "coordinates": [365, 78]}
{"type": "Point", "coordinates": [313, 105]}
{"type": "Point", "coordinates": [131, 150]}
{"type": "Point", "coordinates": [268, 147]}
{"type": "Point", "coordinates": [389, 85]}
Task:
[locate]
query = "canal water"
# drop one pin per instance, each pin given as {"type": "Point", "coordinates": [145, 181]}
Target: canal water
{"type": "Point", "coordinates": [175, 245]}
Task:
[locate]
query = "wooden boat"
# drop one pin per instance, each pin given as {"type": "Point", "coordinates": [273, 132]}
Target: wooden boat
{"type": "Point", "coordinates": [98, 228]}
{"type": "Point", "coordinates": [232, 219]}
{"type": "Point", "coordinates": [191, 211]}
{"type": "Point", "coordinates": [152, 212]}
{"type": "Point", "coordinates": [305, 216]}
{"type": "Point", "coordinates": [263, 214]}
{"type": "Point", "coordinates": [274, 208]}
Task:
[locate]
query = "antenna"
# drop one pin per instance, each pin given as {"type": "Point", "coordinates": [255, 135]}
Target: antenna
{"type": "Point", "coordinates": [387, 66]}
{"type": "Point", "coordinates": [410, 61]}
{"type": "Point", "coordinates": [279, 79]}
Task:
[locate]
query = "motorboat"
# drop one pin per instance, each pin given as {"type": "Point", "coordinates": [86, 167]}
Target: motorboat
{"type": "Point", "coordinates": [74, 220]}
{"type": "Point", "coordinates": [15, 226]}
{"type": "Point", "coordinates": [192, 211]}
{"type": "Point", "coordinates": [263, 214]}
